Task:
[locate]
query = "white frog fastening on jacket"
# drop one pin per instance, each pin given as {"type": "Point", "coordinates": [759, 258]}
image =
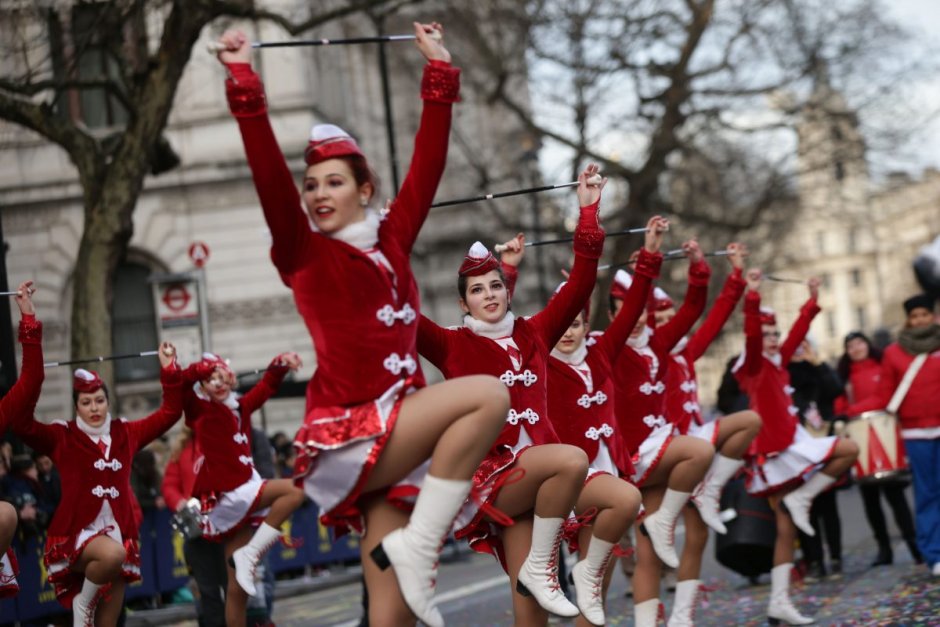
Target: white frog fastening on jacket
{"type": "Point", "coordinates": [389, 315]}
{"type": "Point", "coordinates": [586, 401]}
{"type": "Point", "coordinates": [394, 363]}
{"type": "Point", "coordinates": [529, 415]}
{"type": "Point", "coordinates": [527, 377]}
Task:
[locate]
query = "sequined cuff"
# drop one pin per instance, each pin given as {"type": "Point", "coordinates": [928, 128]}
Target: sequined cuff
{"type": "Point", "coordinates": [245, 91]}
{"type": "Point", "coordinates": [30, 330]}
{"type": "Point", "coordinates": [440, 83]}
{"type": "Point", "coordinates": [589, 236]}
{"type": "Point", "coordinates": [736, 282]}
{"type": "Point", "coordinates": [648, 264]}
{"type": "Point", "coordinates": [699, 273]}
{"type": "Point", "coordinates": [171, 375]}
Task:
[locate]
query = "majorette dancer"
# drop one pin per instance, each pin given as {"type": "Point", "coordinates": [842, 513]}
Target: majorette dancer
{"type": "Point", "coordinates": [369, 428]}
{"type": "Point", "coordinates": [581, 408]}
{"type": "Point", "coordinates": [785, 454]}
{"type": "Point", "coordinates": [667, 466]}
{"type": "Point", "coordinates": [19, 400]}
{"type": "Point", "coordinates": [731, 435]}
{"type": "Point", "coordinates": [92, 546]}
{"type": "Point", "coordinates": [494, 341]}
{"type": "Point", "coordinates": [234, 497]}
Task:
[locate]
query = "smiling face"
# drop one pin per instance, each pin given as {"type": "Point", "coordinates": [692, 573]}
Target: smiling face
{"type": "Point", "coordinates": [218, 386]}
{"type": "Point", "coordinates": [486, 298]}
{"type": "Point", "coordinates": [857, 349]}
{"type": "Point", "coordinates": [919, 318]}
{"type": "Point", "coordinates": [573, 338]}
{"type": "Point", "coordinates": [332, 195]}
{"type": "Point", "coordinates": [92, 407]}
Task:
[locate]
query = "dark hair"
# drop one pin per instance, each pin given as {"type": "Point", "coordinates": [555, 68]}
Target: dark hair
{"type": "Point", "coordinates": [612, 302]}
{"type": "Point", "coordinates": [462, 282]}
{"type": "Point", "coordinates": [844, 366]}
{"type": "Point", "coordinates": [75, 394]}
{"type": "Point", "coordinates": [362, 172]}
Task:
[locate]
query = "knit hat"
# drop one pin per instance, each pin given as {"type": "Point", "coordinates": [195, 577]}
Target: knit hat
{"type": "Point", "coordinates": [328, 141]}
{"type": "Point", "coordinates": [478, 261]}
{"type": "Point", "coordinates": [917, 302]}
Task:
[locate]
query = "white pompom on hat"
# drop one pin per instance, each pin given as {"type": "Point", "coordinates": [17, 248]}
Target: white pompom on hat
{"type": "Point", "coordinates": [621, 285]}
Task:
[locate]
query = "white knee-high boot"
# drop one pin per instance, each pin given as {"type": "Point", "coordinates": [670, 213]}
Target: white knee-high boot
{"type": "Point", "coordinates": [245, 559]}
{"type": "Point", "coordinates": [539, 573]}
{"type": "Point", "coordinates": [413, 550]}
{"type": "Point", "coordinates": [683, 609]}
{"type": "Point", "coordinates": [780, 609]}
{"type": "Point", "coordinates": [588, 576]}
{"type": "Point", "coordinates": [660, 526]}
{"type": "Point", "coordinates": [646, 614]}
{"type": "Point", "coordinates": [800, 500]}
{"type": "Point", "coordinates": [708, 493]}
{"type": "Point", "coordinates": [84, 605]}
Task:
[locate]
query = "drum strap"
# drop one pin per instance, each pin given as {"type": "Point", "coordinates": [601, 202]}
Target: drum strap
{"type": "Point", "coordinates": [906, 383]}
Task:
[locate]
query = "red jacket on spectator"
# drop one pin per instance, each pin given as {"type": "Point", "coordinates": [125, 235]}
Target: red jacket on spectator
{"type": "Point", "coordinates": [862, 389]}
{"type": "Point", "coordinates": [179, 477]}
{"type": "Point", "coordinates": [921, 406]}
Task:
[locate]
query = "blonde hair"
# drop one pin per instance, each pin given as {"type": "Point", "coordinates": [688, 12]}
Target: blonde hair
{"type": "Point", "coordinates": [184, 438]}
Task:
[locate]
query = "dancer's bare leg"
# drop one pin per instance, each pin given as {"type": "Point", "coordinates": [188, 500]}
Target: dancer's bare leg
{"type": "Point", "coordinates": [236, 599]}
{"type": "Point", "coordinates": [617, 503]}
{"type": "Point", "coordinates": [683, 465]}
{"type": "Point", "coordinates": [387, 607]}
{"type": "Point", "coordinates": [517, 541]}
{"type": "Point", "coordinates": [736, 432]}
{"type": "Point", "coordinates": [584, 542]}
{"type": "Point", "coordinates": [8, 520]}
{"type": "Point", "coordinates": [552, 480]}
{"type": "Point", "coordinates": [696, 537]}
{"type": "Point", "coordinates": [843, 456]}
{"type": "Point", "coordinates": [648, 569]}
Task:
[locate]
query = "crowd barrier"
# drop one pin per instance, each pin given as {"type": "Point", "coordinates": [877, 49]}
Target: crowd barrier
{"type": "Point", "coordinates": [163, 567]}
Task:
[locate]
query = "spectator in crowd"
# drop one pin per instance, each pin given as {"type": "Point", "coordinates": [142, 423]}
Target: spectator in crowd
{"type": "Point", "coordinates": [146, 480]}
{"type": "Point", "coordinates": [918, 348]}
{"type": "Point", "coordinates": [816, 387]}
{"type": "Point", "coordinates": [48, 478]}
{"type": "Point", "coordinates": [27, 495]}
{"type": "Point", "coordinates": [860, 371]}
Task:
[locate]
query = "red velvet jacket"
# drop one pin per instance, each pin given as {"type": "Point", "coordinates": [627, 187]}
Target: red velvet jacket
{"type": "Point", "coordinates": [87, 476]}
{"type": "Point", "coordinates": [862, 389]}
{"type": "Point", "coordinates": [766, 381]}
{"type": "Point", "coordinates": [639, 374]}
{"type": "Point", "coordinates": [682, 406]}
{"type": "Point", "coordinates": [363, 328]}
{"type": "Point", "coordinates": [920, 408]}
{"type": "Point", "coordinates": [461, 352]}
{"type": "Point", "coordinates": [581, 416]}
{"type": "Point", "coordinates": [22, 397]}
{"type": "Point", "coordinates": [224, 439]}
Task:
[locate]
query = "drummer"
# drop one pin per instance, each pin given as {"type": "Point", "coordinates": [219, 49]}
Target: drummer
{"type": "Point", "coordinates": [918, 346]}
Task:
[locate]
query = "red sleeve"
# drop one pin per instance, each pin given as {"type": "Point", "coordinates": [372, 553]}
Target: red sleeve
{"type": "Point", "coordinates": [277, 190]}
{"type": "Point", "coordinates": [440, 87]}
{"type": "Point", "coordinates": [146, 430]}
{"type": "Point", "coordinates": [432, 341]}
{"type": "Point", "coordinates": [511, 274]}
{"type": "Point", "coordinates": [264, 389]}
{"type": "Point", "coordinates": [753, 336]}
{"type": "Point", "coordinates": [552, 322]}
{"type": "Point", "coordinates": [18, 407]}
{"type": "Point", "coordinates": [646, 271]}
{"type": "Point", "coordinates": [891, 375]}
{"type": "Point", "coordinates": [172, 486]}
{"type": "Point", "coordinates": [799, 330]}
{"type": "Point", "coordinates": [696, 295]}
{"type": "Point", "coordinates": [720, 312]}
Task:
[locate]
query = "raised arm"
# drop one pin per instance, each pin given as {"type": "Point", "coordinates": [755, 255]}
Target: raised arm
{"type": "Point", "coordinates": [270, 382]}
{"type": "Point", "coordinates": [440, 89]}
{"type": "Point", "coordinates": [22, 397]}
{"type": "Point", "coordinates": [146, 430]}
{"type": "Point", "coordinates": [696, 295]}
{"type": "Point", "coordinates": [277, 190]}
{"type": "Point", "coordinates": [646, 270]}
{"type": "Point", "coordinates": [749, 364]}
{"type": "Point", "coordinates": [432, 341]}
{"type": "Point", "coordinates": [801, 327]}
{"type": "Point", "coordinates": [552, 322]}
{"type": "Point", "coordinates": [509, 259]}
{"type": "Point", "coordinates": [723, 306]}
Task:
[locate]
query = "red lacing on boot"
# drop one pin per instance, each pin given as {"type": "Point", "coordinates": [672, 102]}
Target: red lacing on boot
{"type": "Point", "coordinates": [290, 543]}
{"type": "Point", "coordinates": [619, 551]}
{"type": "Point", "coordinates": [572, 526]}
{"type": "Point", "coordinates": [598, 590]}
{"type": "Point", "coordinates": [551, 567]}
{"type": "Point", "coordinates": [661, 613]}
{"type": "Point", "coordinates": [504, 479]}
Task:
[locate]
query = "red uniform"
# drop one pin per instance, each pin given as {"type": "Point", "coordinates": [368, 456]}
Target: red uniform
{"type": "Point", "coordinates": [640, 372]}
{"type": "Point", "coordinates": [920, 408]}
{"type": "Point", "coordinates": [360, 305]}
{"type": "Point", "coordinates": [581, 395]}
{"type": "Point", "coordinates": [862, 389]}
{"type": "Point", "coordinates": [520, 361]}
{"type": "Point", "coordinates": [222, 432]}
{"type": "Point", "coordinates": [95, 476]}
{"type": "Point", "coordinates": [682, 402]}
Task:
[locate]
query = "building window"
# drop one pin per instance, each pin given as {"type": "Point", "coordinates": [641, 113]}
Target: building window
{"type": "Point", "coordinates": [133, 324]}
{"type": "Point", "coordinates": [856, 277]}
{"type": "Point", "coordinates": [860, 317]}
{"type": "Point", "coordinates": [85, 49]}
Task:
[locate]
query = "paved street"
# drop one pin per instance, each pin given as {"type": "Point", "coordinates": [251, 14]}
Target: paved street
{"type": "Point", "coordinates": [473, 591]}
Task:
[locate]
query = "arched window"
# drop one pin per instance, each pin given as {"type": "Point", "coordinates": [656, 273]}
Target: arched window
{"type": "Point", "coordinates": [133, 323]}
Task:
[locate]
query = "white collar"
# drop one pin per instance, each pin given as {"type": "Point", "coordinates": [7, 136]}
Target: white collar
{"type": "Point", "coordinates": [492, 330]}
{"type": "Point", "coordinates": [94, 432]}
{"type": "Point", "coordinates": [363, 234]}
{"type": "Point", "coordinates": [231, 401]}
{"type": "Point", "coordinates": [642, 340]}
{"type": "Point", "coordinates": [678, 348]}
{"type": "Point", "coordinates": [575, 358]}
{"type": "Point", "coordinates": [776, 359]}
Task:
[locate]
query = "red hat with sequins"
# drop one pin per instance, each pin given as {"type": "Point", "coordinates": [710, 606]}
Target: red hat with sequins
{"type": "Point", "coordinates": [86, 381]}
{"type": "Point", "coordinates": [211, 361]}
{"type": "Point", "coordinates": [478, 261]}
{"type": "Point", "coordinates": [621, 285]}
{"type": "Point", "coordinates": [328, 141]}
{"type": "Point", "coordinates": [768, 317]}
{"type": "Point", "coordinates": [660, 300]}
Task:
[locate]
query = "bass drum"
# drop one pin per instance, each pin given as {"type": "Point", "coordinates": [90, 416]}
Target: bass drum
{"type": "Point", "coordinates": [748, 547]}
{"type": "Point", "coordinates": [881, 455]}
